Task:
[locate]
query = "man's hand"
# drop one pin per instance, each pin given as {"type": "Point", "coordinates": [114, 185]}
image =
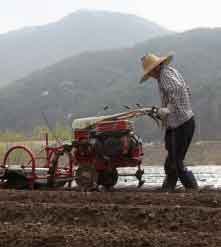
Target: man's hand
{"type": "Point", "coordinates": [163, 113]}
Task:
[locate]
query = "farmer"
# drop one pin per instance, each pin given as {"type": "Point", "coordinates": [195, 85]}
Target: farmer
{"type": "Point", "coordinates": [178, 118]}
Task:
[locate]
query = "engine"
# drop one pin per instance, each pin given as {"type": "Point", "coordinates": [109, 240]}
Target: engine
{"type": "Point", "coordinates": [116, 146]}
{"type": "Point", "coordinates": [103, 147]}
{"type": "Point", "coordinates": [110, 140]}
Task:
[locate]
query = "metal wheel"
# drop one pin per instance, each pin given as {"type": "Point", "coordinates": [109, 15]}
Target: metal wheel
{"type": "Point", "coordinates": [19, 165]}
{"type": "Point", "coordinates": [108, 178]}
{"type": "Point", "coordinates": [86, 177]}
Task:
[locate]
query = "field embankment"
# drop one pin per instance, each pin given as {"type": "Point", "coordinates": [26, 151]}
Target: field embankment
{"type": "Point", "coordinates": [200, 153]}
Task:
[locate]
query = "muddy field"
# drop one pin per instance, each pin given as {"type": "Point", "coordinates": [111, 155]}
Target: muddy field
{"type": "Point", "coordinates": [122, 218]}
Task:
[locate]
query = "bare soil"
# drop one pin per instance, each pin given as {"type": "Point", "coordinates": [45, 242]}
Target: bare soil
{"type": "Point", "coordinates": [121, 218]}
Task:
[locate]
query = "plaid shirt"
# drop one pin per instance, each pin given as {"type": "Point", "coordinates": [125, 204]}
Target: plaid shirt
{"type": "Point", "coordinates": [175, 94]}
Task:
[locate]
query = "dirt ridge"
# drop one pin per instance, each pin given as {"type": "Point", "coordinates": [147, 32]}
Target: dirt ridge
{"type": "Point", "coordinates": [68, 218]}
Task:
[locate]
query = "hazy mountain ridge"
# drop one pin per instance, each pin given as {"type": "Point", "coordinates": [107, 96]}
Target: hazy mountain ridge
{"type": "Point", "coordinates": [32, 48]}
{"type": "Point", "coordinates": [83, 84]}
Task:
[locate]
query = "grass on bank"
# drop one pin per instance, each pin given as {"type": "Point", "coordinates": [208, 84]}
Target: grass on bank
{"type": "Point", "coordinates": [200, 153]}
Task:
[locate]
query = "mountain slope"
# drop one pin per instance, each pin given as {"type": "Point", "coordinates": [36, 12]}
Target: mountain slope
{"type": "Point", "coordinates": [83, 84]}
{"type": "Point", "coordinates": [29, 49]}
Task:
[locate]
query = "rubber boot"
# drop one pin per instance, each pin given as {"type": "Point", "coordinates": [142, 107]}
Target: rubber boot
{"type": "Point", "coordinates": [169, 183]}
{"type": "Point", "coordinates": [188, 180]}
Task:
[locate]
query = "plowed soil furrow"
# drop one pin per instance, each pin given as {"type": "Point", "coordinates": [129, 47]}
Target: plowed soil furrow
{"type": "Point", "coordinates": [67, 218]}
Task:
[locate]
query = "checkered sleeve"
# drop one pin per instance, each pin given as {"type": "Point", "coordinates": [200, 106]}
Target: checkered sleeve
{"type": "Point", "coordinates": [176, 96]}
{"type": "Point", "coordinates": [171, 87]}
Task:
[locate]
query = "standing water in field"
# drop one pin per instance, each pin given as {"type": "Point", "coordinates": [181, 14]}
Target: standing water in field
{"type": "Point", "coordinates": [207, 176]}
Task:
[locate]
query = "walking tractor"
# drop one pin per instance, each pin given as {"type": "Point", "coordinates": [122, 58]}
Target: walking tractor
{"type": "Point", "coordinates": [100, 145]}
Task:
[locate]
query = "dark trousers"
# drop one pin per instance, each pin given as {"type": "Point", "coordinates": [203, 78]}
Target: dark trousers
{"type": "Point", "coordinates": [177, 142]}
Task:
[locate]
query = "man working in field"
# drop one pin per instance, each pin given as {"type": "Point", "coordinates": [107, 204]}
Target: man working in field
{"type": "Point", "coordinates": [178, 118]}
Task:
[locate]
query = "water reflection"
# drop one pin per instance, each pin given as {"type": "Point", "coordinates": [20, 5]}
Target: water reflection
{"type": "Point", "coordinates": [207, 176]}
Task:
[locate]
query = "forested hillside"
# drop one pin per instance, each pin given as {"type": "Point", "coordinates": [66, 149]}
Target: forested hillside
{"type": "Point", "coordinates": [81, 85]}
{"type": "Point", "coordinates": [29, 49]}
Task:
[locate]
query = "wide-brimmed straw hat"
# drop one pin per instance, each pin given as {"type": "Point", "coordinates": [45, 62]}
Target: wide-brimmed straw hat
{"type": "Point", "coordinates": [151, 61]}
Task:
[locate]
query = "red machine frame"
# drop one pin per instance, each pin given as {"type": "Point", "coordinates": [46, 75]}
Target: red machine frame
{"type": "Point", "coordinates": [52, 153]}
{"type": "Point", "coordinates": [55, 172]}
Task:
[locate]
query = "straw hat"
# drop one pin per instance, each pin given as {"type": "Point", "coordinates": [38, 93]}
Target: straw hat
{"type": "Point", "coordinates": [150, 62]}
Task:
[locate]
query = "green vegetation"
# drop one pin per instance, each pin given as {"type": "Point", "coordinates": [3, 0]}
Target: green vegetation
{"type": "Point", "coordinates": [200, 153]}
{"type": "Point", "coordinates": [34, 140]}
{"type": "Point", "coordinates": [60, 131]}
